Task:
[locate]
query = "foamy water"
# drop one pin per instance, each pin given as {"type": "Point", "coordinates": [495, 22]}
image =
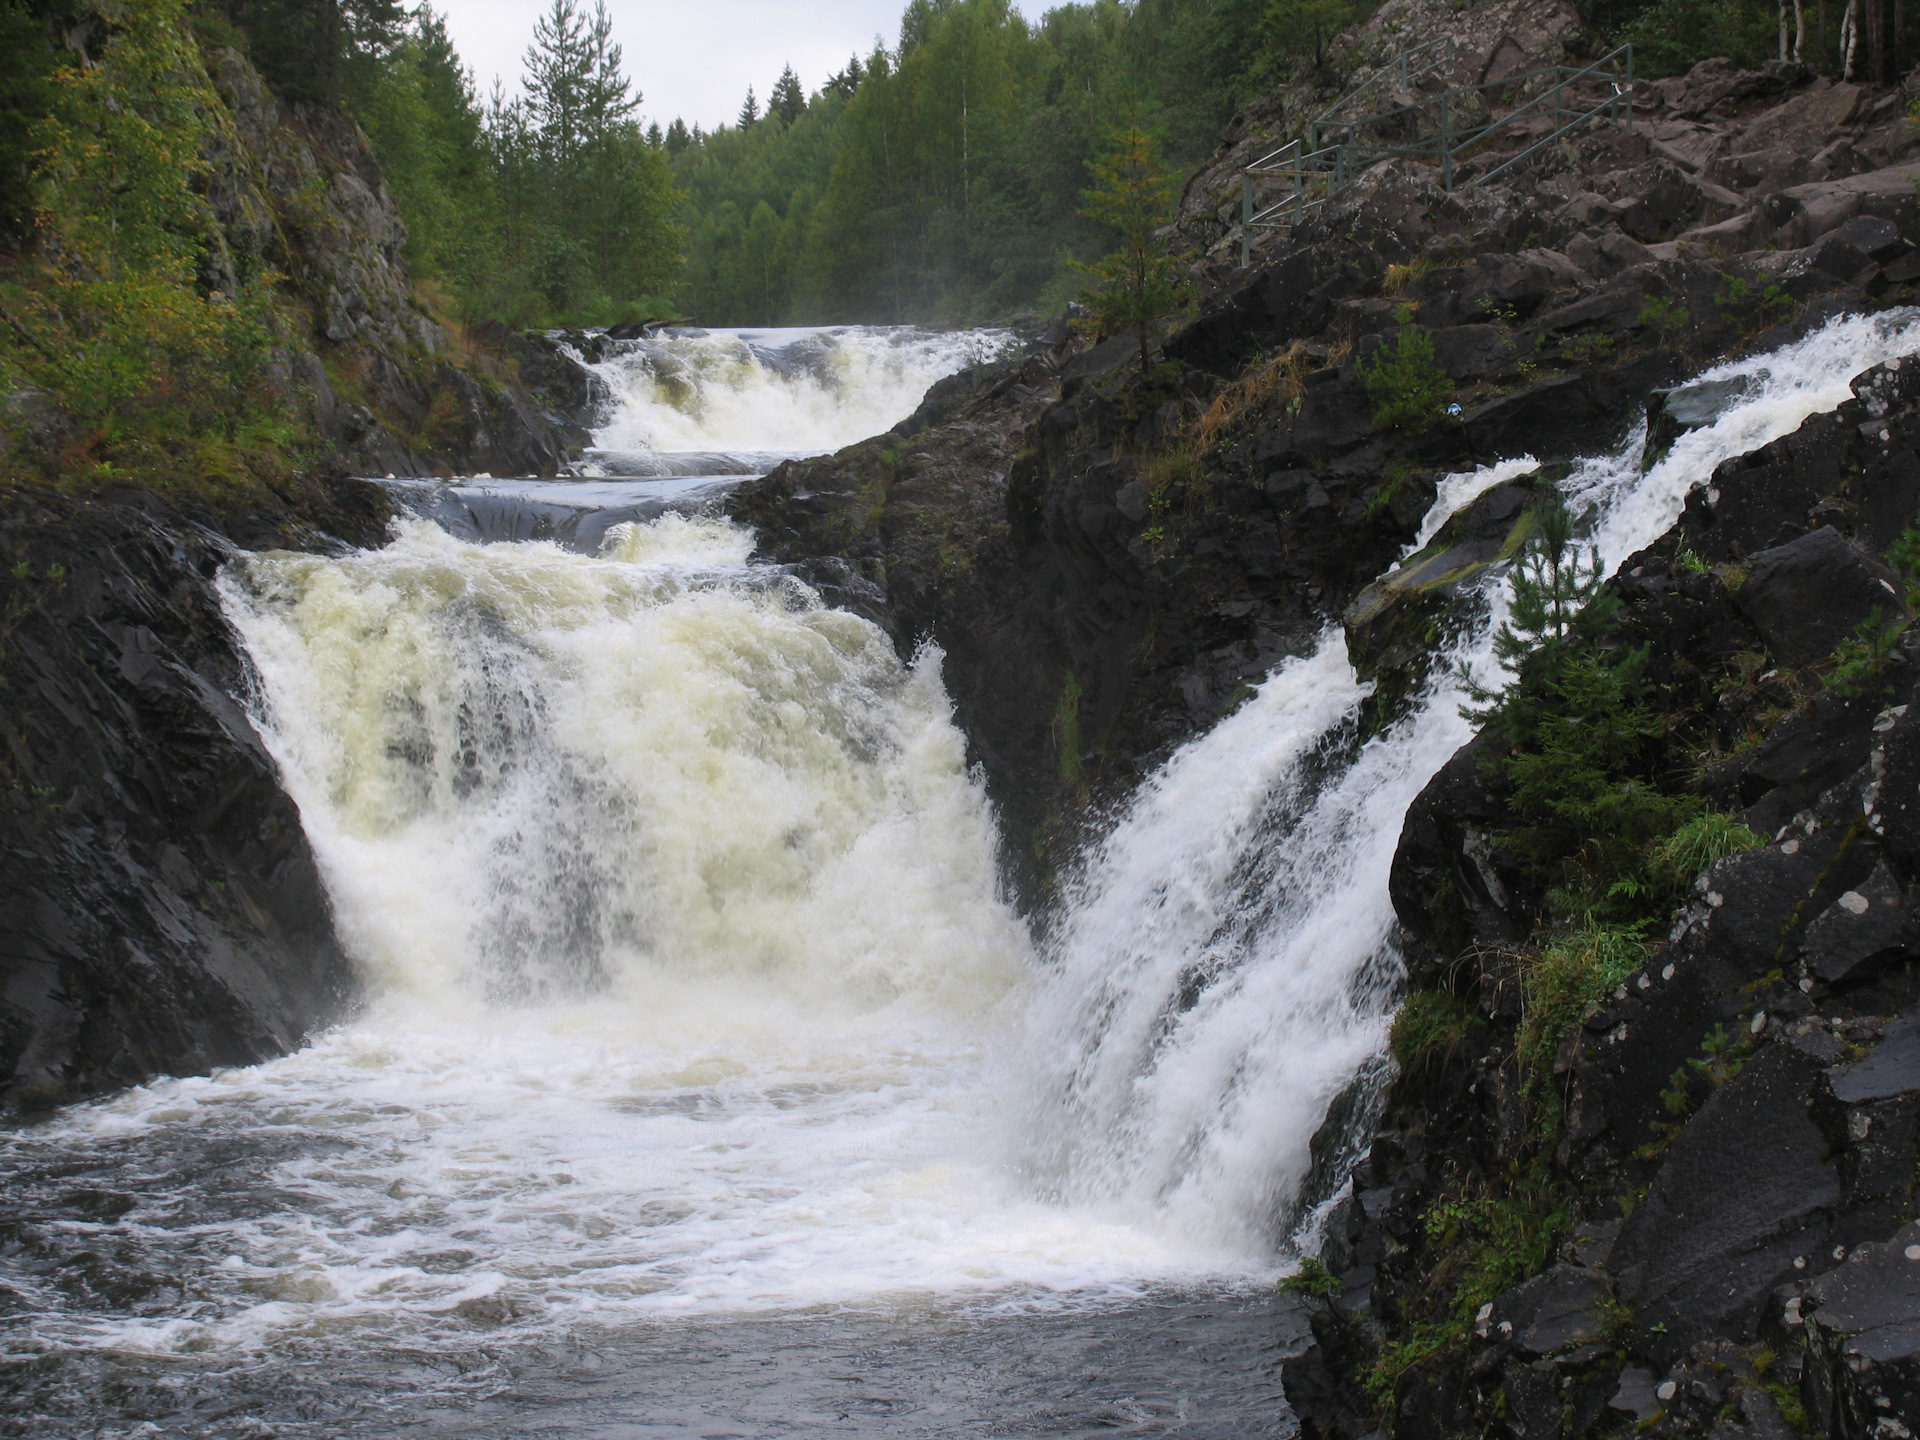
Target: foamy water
{"type": "Point", "coordinates": [692, 991]}
{"type": "Point", "coordinates": [766, 394]}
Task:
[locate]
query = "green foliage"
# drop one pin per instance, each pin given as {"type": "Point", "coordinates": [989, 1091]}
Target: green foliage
{"type": "Point", "coordinates": [28, 59]}
{"type": "Point", "coordinates": [1313, 1279]}
{"type": "Point", "coordinates": [1571, 972]}
{"type": "Point", "coordinates": [1409, 389]}
{"type": "Point", "coordinates": [116, 320]}
{"type": "Point", "coordinates": [1859, 659]}
{"type": "Point", "coordinates": [1066, 734]}
{"type": "Point", "coordinates": [1697, 845]}
{"type": "Point", "coordinates": [1137, 283]}
{"type": "Point", "coordinates": [1429, 1021]}
{"type": "Point", "coordinates": [1668, 317]}
{"type": "Point", "coordinates": [942, 180]}
{"type": "Point", "coordinates": [1593, 821]}
{"type": "Point", "coordinates": [318, 50]}
{"type": "Point", "coordinates": [1485, 1241]}
{"type": "Point", "coordinates": [1669, 37]}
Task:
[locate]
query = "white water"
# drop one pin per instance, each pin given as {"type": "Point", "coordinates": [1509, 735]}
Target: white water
{"type": "Point", "coordinates": [722, 399]}
{"type": "Point", "coordinates": [1226, 962]}
{"type": "Point", "coordinates": [692, 990]}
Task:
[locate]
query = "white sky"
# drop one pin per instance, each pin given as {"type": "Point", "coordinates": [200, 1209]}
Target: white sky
{"type": "Point", "coordinates": [693, 58]}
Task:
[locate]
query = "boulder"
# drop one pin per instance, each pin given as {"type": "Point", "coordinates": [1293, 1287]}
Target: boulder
{"type": "Point", "coordinates": [1671, 413]}
{"type": "Point", "coordinates": [1804, 124]}
{"type": "Point", "coordinates": [1473, 352]}
{"type": "Point", "coordinates": [1864, 923]}
{"type": "Point", "coordinates": [160, 909]}
{"type": "Point", "coordinates": [1559, 1308]}
{"type": "Point", "coordinates": [1554, 419]}
{"type": "Point", "coordinates": [1396, 624]}
{"type": "Point", "coordinates": [1862, 1326]}
{"type": "Point", "coordinates": [1745, 1190]}
{"type": "Point", "coordinates": [1808, 595]}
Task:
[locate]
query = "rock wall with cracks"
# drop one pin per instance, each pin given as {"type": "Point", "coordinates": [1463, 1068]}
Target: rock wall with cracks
{"type": "Point", "coordinates": [160, 912]}
{"type": "Point", "coordinates": [1109, 561]}
{"type": "Point", "coordinates": [1738, 1122]}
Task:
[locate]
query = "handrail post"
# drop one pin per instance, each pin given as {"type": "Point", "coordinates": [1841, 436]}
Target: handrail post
{"type": "Point", "coordinates": [1246, 218]}
{"type": "Point", "coordinates": [1446, 149]}
{"type": "Point", "coordinates": [1629, 87]}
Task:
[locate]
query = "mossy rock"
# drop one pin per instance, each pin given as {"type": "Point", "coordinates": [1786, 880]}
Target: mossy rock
{"type": "Point", "coordinates": [1400, 621]}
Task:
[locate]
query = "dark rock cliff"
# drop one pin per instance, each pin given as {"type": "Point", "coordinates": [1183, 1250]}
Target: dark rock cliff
{"type": "Point", "coordinates": [160, 911]}
{"type": "Point", "coordinates": [1110, 561]}
{"type": "Point", "coordinates": [1731, 1134]}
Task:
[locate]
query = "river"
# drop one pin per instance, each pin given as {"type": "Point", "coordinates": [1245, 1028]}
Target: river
{"type": "Point", "coordinates": [708, 1083]}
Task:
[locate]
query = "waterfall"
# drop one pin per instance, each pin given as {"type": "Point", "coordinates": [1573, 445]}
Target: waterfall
{"type": "Point", "coordinates": [741, 399]}
{"type": "Point", "coordinates": [1226, 963]}
{"type": "Point", "coordinates": [692, 987]}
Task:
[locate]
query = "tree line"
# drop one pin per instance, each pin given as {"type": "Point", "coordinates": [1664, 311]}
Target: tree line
{"type": "Point", "coordinates": [942, 179]}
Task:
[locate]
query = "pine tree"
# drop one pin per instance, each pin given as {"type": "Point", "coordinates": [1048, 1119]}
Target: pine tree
{"type": "Point", "coordinates": [846, 81]}
{"type": "Point", "coordinates": [1138, 283]}
{"type": "Point", "coordinates": [1555, 595]}
{"type": "Point", "coordinates": [575, 91]}
{"type": "Point", "coordinates": [677, 137]}
{"type": "Point", "coordinates": [788, 101]}
{"type": "Point", "coordinates": [749, 110]}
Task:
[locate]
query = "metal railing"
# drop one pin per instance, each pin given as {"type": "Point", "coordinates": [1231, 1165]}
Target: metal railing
{"type": "Point", "coordinates": [1441, 127]}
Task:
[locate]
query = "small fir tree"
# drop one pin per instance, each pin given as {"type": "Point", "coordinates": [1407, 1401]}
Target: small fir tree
{"type": "Point", "coordinates": [845, 82]}
{"type": "Point", "coordinates": [678, 137]}
{"type": "Point", "coordinates": [749, 110]}
{"type": "Point", "coordinates": [1553, 591]}
{"type": "Point", "coordinates": [1138, 283]}
{"type": "Point", "coordinates": [1408, 386]}
{"type": "Point", "coordinates": [788, 101]}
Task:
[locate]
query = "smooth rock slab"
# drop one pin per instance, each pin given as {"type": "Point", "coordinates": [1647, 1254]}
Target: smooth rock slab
{"type": "Point", "coordinates": [1863, 1341]}
{"type": "Point", "coordinates": [1808, 595]}
{"type": "Point", "coordinates": [1745, 1189]}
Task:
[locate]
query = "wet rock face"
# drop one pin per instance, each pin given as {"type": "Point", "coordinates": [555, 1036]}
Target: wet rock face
{"type": "Point", "coordinates": [160, 911]}
{"type": "Point", "coordinates": [296, 190]}
{"type": "Point", "coordinates": [1749, 1098]}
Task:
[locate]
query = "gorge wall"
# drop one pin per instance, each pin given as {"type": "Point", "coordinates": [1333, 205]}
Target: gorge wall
{"type": "Point", "coordinates": [160, 911]}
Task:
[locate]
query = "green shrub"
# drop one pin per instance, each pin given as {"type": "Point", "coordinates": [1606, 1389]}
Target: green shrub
{"type": "Point", "coordinates": [1312, 1278]}
{"type": "Point", "coordinates": [1408, 387]}
{"type": "Point", "coordinates": [1571, 973]}
{"type": "Point", "coordinates": [1670, 37]}
{"type": "Point", "coordinates": [1698, 844]}
{"type": "Point", "coordinates": [1858, 660]}
{"type": "Point", "coordinates": [1486, 1243]}
{"type": "Point", "coordinates": [1427, 1021]}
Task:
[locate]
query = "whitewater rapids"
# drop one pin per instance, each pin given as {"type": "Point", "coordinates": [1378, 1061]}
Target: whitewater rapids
{"type": "Point", "coordinates": [692, 989]}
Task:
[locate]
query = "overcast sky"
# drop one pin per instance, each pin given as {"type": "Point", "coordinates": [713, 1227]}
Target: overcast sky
{"type": "Point", "coordinates": [693, 58]}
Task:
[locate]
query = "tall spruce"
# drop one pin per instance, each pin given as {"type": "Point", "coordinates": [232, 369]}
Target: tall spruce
{"type": "Point", "coordinates": [1138, 283]}
{"type": "Point", "coordinates": [788, 100]}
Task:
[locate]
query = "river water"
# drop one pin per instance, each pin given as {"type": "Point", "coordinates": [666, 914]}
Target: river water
{"type": "Point", "coordinates": [708, 1083]}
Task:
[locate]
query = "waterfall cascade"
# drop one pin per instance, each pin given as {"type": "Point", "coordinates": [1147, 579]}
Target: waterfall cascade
{"type": "Point", "coordinates": [693, 990]}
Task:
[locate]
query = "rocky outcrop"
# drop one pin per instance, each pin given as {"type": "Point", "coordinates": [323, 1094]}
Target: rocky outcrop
{"type": "Point", "coordinates": [1110, 560]}
{"type": "Point", "coordinates": [160, 911]}
{"type": "Point", "coordinates": [294, 189]}
{"type": "Point", "coordinates": [1729, 1135]}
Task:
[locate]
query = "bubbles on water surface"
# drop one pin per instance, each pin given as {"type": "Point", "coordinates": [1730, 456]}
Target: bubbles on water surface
{"type": "Point", "coordinates": [693, 993]}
